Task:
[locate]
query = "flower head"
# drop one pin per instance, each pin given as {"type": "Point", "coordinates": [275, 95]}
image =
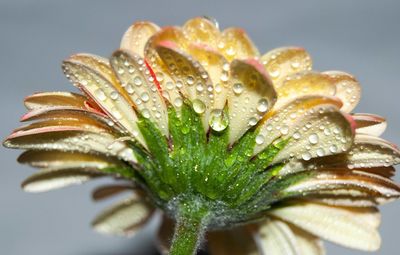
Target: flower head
{"type": "Point", "coordinates": [255, 151]}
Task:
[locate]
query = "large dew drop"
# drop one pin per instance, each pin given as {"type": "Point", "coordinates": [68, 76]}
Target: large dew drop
{"type": "Point", "coordinates": [218, 120]}
{"type": "Point", "coordinates": [198, 106]}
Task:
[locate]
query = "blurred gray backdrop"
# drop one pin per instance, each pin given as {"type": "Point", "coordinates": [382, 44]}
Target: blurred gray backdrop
{"type": "Point", "coordinates": [360, 37]}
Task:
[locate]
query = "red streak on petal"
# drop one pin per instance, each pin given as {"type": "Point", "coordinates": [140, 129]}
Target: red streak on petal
{"type": "Point", "coordinates": [154, 76]}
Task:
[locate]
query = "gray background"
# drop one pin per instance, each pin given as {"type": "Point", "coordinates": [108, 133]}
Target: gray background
{"type": "Point", "coordinates": [361, 37]}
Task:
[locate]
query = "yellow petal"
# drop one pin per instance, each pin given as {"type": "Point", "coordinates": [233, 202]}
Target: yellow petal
{"type": "Point", "coordinates": [347, 89]}
{"type": "Point", "coordinates": [353, 228]}
{"type": "Point", "coordinates": [49, 99]}
{"type": "Point", "coordinates": [141, 87]}
{"type": "Point", "coordinates": [283, 62]}
{"type": "Point", "coordinates": [307, 243]}
{"type": "Point", "coordinates": [201, 30]}
{"type": "Point", "coordinates": [46, 180]}
{"type": "Point", "coordinates": [190, 77]}
{"type": "Point", "coordinates": [235, 44]}
{"type": "Point", "coordinates": [321, 132]}
{"type": "Point", "coordinates": [250, 97]}
{"type": "Point", "coordinates": [305, 83]}
{"type": "Point", "coordinates": [280, 121]}
{"type": "Point", "coordinates": [104, 93]}
{"type": "Point", "coordinates": [137, 35]}
{"type": "Point", "coordinates": [124, 218]}
{"type": "Point", "coordinates": [217, 68]}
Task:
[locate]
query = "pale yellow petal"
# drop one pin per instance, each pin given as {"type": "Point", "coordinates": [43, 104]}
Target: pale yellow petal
{"type": "Point", "coordinates": [250, 98]}
{"type": "Point", "coordinates": [124, 218]}
{"type": "Point", "coordinates": [353, 228]}
{"type": "Point", "coordinates": [234, 43]}
{"type": "Point", "coordinates": [141, 87]}
{"type": "Point", "coordinates": [347, 89]}
{"type": "Point", "coordinates": [283, 62]}
{"type": "Point", "coordinates": [137, 35]}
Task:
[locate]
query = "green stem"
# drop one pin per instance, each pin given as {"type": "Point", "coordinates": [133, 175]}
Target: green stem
{"type": "Point", "coordinates": [188, 234]}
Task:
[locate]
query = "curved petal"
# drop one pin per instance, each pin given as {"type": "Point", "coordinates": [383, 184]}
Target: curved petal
{"type": "Point", "coordinates": [201, 30]}
{"type": "Point", "coordinates": [50, 179]}
{"type": "Point", "coordinates": [102, 90]}
{"type": "Point", "coordinates": [124, 218]}
{"type": "Point", "coordinates": [107, 191]}
{"type": "Point", "coordinates": [347, 89]}
{"type": "Point", "coordinates": [282, 62]}
{"type": "Point", "coordinates": [217, 68]}
{"type": "Point", "coordinates": [278, 121]}
{"type": "Point", "coordinates": [140, 87]}
{"type": "Point", "coordinates": [71, 141]}
{"type": "Point", "coordinates": [190, 77]}
{"type": "Point", "coordinates": [250, 97]}
{"type": "Point", "coordinates": [276, 237]}
{"type": "Point", "coordinates": [339, 183]}
{"type": "Point", "coordinates": [62, 160]}
{"type": "Point", "coordinates": [137, 35]}
{"type": "Point", "coordinates": [323, 131]}
{"type": "Point", "coordinates": [49, 99]}
{"type": "Point", "coordinates": [369, 124]}
{"type": "Point", "coordinates": [353, 228]}
{"type": "Point", "coordinates": [303, 84]}
{"type": "Point", "coordinates": [234, 43]}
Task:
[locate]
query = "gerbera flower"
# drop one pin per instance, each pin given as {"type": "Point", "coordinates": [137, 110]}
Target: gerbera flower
{"type": "Point", "coordinates": [257, 154]}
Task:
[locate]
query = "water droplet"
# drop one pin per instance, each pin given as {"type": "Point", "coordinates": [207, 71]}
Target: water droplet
{"type": "Point", "coordinates": [129, 89]}
{"type": "Point", "coordinates": [190, 80]}
{"type": "Point", "coordinates": [199, 106]}
{"type": "Point", "coordinates": [100, 94]}
{"type": "Point", "coordinates": [333, 148]}
{"type": "Point", "coordinates": [114, 95]}
{"type": "Point", "coordinates": [178, 102]}
{"type": "Point", "coordinates": [296, 135]}
{"type": "Point", "coordinates": [146, 113]}
{"type": "Point", "coordinates": [252, 121]}
{"type": "Point", "coordinates": [274, 71]}
{"type": "Point", "coordinates": [170, 85]}
{"type": "Point", "coordinates": [238, 88]}
{"type": "Point", "coordinates": [218, 120]}
{"type": "Point", "coordinates": [320, 152]}
{"type": "Point", "coordinates": [260, 139]}
{"type": "Point", "coordinates": [137, 80]}
{"type": "Point", "coordinates": [306, 156]}
{"type": "Point", "coordinates": [284, 130]}
{"type": "Point", "coordinates": [224, 76]}
{"type": "Point", "coordinates": [262, 105]}
{"type": "Point", "coordinates": [145, 96]}
{"type": "Point", "coordinates": [313, 138]}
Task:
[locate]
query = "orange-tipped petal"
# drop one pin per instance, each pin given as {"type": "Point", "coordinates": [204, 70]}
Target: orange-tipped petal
{"type": "Point", "coordinates": [370, 124]}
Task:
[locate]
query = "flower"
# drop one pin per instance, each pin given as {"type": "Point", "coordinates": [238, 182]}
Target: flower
{"type": "Point", "coordinates": [255, 154]}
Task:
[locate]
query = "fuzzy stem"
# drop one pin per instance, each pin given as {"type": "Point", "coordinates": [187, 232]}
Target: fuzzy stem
{"type": "Point", "coordinates": [189, 232]}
